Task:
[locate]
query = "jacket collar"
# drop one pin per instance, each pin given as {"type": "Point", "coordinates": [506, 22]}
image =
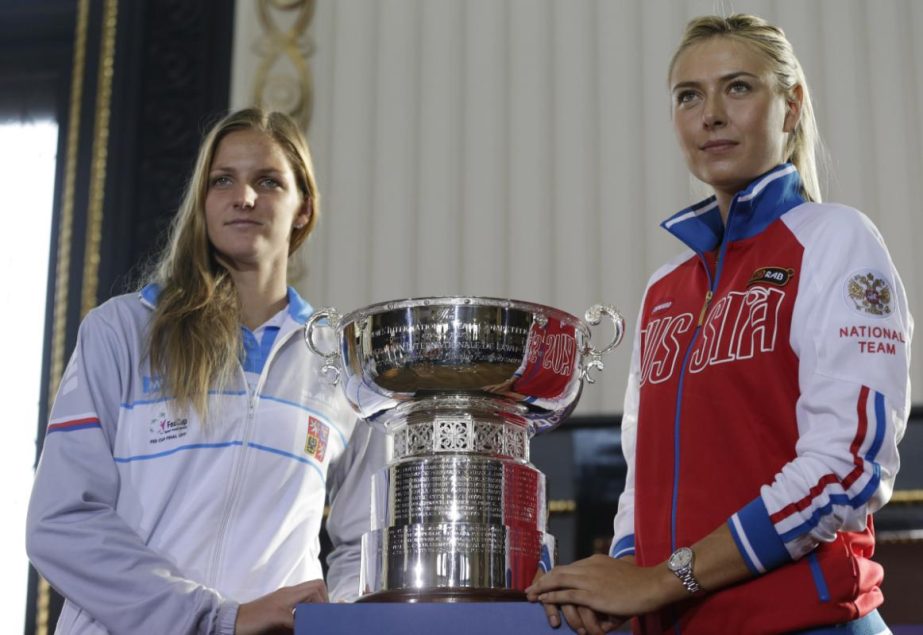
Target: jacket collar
{"type": "Point", "coordinates": [752, 210]}
{"type": "Point", "coordinates": [298, 309]}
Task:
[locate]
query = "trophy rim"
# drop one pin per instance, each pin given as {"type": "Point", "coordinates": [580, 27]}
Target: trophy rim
{"type": "Point", "coordinates": [461, 300]}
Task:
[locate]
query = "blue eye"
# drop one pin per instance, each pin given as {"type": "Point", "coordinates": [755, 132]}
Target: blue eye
{"type": "Point", "coordinates": [685, 97]}
{"type": "Point", "coordinates": [739, 86]}
{"type": "Point", "coordinates": [268, 181]}
{"type": "Point", "coordinates": [221, 179]}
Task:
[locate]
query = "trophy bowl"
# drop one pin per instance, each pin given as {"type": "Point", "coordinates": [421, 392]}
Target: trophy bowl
{"type": "Point", "coordinates": [461, 384]}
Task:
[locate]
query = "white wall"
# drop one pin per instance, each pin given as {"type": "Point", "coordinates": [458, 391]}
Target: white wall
{"type": "Point", "coordinates": [523, 148]}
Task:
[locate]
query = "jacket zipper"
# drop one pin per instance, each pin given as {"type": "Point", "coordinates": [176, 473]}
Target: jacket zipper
{"type": "Point", "coordinates": [237, 476]}
{"type": "Point", "coordinates": [708, 297]}
{"type": "Point", "coordinates": [712, 287]}
{"type": "Point", "coordinates": [713, 284]}
{"type": "Point", "coordinates": [235, 485]}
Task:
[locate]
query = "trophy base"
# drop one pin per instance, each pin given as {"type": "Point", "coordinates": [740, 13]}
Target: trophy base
{"type": "Point", "coordinates": [452, 561]}
{"type": "Point", "coordinates": [445, 595]}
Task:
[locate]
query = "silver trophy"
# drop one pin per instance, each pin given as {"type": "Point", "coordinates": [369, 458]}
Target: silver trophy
{"type": "Point", "coordinates": [462, 384]}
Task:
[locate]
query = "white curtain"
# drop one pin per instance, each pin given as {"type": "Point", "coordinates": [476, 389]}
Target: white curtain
{"type": "Point", "coordinates": [523, 148]}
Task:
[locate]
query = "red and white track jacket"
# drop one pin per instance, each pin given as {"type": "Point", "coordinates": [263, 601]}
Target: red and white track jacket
{"type": "Point", "coordinates": [769, 389]}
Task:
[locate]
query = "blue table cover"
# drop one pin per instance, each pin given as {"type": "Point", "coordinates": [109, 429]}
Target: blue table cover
{"type": "Point", "coordinates": [463, 618]}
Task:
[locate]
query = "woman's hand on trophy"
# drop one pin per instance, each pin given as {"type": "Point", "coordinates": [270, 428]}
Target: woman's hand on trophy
{"type": "Point", "coordinates": [601, 588]}
{"type": "Point", "coordinates": [584, 620]}
{"type": "Point", "coordinates": [274, 613]}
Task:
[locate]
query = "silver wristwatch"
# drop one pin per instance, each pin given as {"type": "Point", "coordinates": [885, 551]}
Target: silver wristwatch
{"type": "Point", "coordinates": [680, 563]}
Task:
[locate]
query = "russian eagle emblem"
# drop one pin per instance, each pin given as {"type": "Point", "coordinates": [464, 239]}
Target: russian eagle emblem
{"type": "Point", "coordinates": [869, 293]}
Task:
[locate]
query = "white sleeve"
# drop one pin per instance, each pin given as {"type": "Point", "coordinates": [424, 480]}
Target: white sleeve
{"type": "Point", "coordinates": [74, 536]}
{"type": "Point", "coordinates": [349, 486]}
{"type": "Point", "coordinates": [623, 540]}
{"type": "Point", "coordinates": [851, 330]}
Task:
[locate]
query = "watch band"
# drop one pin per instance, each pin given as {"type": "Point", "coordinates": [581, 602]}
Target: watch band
{"type": "Point", "coordinates": [680, 563]}
{"type": "Point", "coordinates": [692, 585]}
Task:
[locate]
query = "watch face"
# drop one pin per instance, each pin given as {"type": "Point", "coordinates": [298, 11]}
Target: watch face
{"type": "Point", "coordinates": [681, 558]}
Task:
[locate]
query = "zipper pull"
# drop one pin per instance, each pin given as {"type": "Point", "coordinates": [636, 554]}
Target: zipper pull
{"type": "Point", "coordinates": [704, 308]}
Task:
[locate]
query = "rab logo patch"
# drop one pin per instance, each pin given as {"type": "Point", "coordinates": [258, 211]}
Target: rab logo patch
{"type": "Point", "coordinates": [771, 275]}
{"type": "Point", "coordinates": [316, 443]}
{"type": "Point", "coordinates": [663, 305]}
{"type": "Point", "coordinates": [869, 292]}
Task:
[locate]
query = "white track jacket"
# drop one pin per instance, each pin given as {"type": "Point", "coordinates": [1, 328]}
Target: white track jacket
{"type": "Point", "coordinates": [152, 522]}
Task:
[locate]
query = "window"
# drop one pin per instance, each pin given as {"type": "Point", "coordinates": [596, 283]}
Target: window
{"type": "Point", "coordinates": [27, 173]}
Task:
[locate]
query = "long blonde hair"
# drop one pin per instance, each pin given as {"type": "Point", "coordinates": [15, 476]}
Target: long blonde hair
{"type": "Point", "coordinates": [803, 144]}
{"type": "Point", "coordinates": [194, 340]}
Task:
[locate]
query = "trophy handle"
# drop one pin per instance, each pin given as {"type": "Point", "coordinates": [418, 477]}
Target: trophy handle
{"type": "Point", "coordinates": [331, 358]}
{"type": "Point", "coordinates": [594, 356]}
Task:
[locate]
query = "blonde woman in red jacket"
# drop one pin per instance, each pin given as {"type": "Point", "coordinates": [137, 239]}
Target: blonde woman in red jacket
{"type": "Point", "coordinates": [769, 383]}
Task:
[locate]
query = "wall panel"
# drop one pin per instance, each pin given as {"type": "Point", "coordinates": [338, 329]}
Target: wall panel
{"type": "Point", "coordinates": [523, 148]}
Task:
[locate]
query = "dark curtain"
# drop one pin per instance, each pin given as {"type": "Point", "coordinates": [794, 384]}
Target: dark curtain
{"type": "Point", "coordinates": [132, 85]}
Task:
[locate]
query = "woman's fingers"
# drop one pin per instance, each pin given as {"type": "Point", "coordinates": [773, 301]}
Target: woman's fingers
{"type": "Point", "coordinates": [551, 611]}
{"type": "Point", "coordinates": [591, 621]}
{"type": "Point", "coordinates": [311, 592]}
{"type": "Point", "coordinates": [565, 596]}
{"type": "Point", "coordinates": [572, 615]}
{"type": "Point", "coordinates": [276, 610]}
{"type": "Point", "coordinates": [557, 578]}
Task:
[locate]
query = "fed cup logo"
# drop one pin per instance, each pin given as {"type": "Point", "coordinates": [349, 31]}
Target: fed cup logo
{"type": "Point", "coordinates": [163, 428]}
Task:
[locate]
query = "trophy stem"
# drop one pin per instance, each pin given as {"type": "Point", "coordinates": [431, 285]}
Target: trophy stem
{"type": "Point", "coordinates": [459, 513]}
